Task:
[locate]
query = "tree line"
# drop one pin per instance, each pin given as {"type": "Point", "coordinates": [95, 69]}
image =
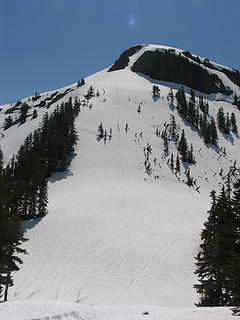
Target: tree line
{"type": "Point", "coordinates": [23, 192]}
{"type": "Point", "coordinates": [218, 262]}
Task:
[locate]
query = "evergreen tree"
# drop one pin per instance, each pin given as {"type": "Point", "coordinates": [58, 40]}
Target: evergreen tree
{"type": "Point", "coordinates": [192, 111]}
{"type": "Point", "coordinates": [213, 132]}
{"type": "Point", "coordinates": [213, 259]}
{"type": "Point", "coordinates": [221, 121]}
{"type": "Point", "coordinates": [190, 155]}
{"type": "Point", "coordinates": [227, 125]}
{"type": "Point", "coordinates": [234, 264]}
{"type": "Point", "coordinates": [8, 122]}
{"type": "Point", "coordinates": [171, 162]}
{"type": "Point", "coordinates": [183, 147]}
{"type": "Point", "coordinates": [170, 96]}
{"type": "Point", "coordinates": [34, 115]}
{"type": "Point", "coordinates": [178, 165]}
{"type": "Point", "coordinates": [182, 105]}
{"type": "Point", "coordinates": [100, 131]}
{"type": "Point", "coordinates": [173, 127]}
{"type": "Point", "coordinates": [80, 83]}
{"type": "Point", "coordinates": [156, 91]}
{"type": "Point", "coordinates": [23, 112]}
{"type": "Point", "coordinates": [165, 143]}
{"type": "Point", "coordinates": [10, 234]}
{"type": "Point", "coordinates": [233, 121]}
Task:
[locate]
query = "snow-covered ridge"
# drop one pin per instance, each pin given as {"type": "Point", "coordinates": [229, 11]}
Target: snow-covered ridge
{"type": "Point", "coordinates": [227, 80]}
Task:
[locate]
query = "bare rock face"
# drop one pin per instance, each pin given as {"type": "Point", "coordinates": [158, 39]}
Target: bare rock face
{"type": "Point", "coordinates": [174, 67]}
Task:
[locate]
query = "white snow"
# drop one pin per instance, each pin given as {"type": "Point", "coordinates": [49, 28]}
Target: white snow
{"type": "Point", "coordinates": [116, 236]}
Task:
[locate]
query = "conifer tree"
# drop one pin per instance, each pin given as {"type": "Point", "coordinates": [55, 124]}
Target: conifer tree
{"type": "Point", "coordinates": [227, 124]}
{"type": "Point", "coordinates": [155, 91]}
{"type": "Point", "coordinates": [23, 112]}
{"type": "Point", "coordinates": [213, 259]}
{"type": "Point", "coordinates": [221, 121]}
{"type": "Point", "coordinates": [178, 165]}
{"type": "Point", "coordinates": [170, 96]}
{"type": "Point", "coordinates": [171, 162]}
{"type": "Point", "coordinates": [8, 122]}
{"type": "Point", "coordinates": [213, 132]}
{"type": "Point", "coordinates": [34, 115]}
{"type": "Point", "coordinates": [183, 147]}
{"type": "Point", "coordinates": [233, 121]}
{"type": "Point", "coordinates": [182, 105]}
{"type": "Point", "coordinates": [190, 155]}
{"type": "Point", "coordinates": [173, 127]}
{"type": "Point", "coordinates": [100, 131]}
{"type": "Point", "coordinates": [10, 234]}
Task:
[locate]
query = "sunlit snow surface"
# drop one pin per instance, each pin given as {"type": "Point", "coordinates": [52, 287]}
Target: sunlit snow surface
{"type": "Point", "coordinates": [115, 235]}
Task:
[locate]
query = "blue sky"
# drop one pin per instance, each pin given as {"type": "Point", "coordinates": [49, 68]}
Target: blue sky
{"type": "Point", "coordinates": [47, 44]}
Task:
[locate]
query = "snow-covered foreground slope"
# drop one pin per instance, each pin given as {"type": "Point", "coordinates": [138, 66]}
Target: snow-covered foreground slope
{"type": "Point", "coordinates": [116, 235]}
{"type": "Point", "coordinates": [49, 310]}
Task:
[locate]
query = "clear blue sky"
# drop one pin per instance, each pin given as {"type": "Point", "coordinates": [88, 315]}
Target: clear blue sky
{"type": "Point", "coordinates": [47, 44]}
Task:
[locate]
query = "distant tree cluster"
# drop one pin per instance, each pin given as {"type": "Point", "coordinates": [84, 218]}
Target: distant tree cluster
{"type": "Point", "coordinates": [218, 262]}
{"type": "Point", "coordinates": [226, 123]}
{"type": "Point", "coordinates": [191, 112]}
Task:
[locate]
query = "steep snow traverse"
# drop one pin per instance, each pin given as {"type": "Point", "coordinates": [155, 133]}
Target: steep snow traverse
{"type": "Point", "coordinates": [124, 220]}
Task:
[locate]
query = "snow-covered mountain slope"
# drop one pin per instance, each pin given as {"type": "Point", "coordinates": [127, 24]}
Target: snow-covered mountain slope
{"type": "Point", "coordinates": [116, 234]}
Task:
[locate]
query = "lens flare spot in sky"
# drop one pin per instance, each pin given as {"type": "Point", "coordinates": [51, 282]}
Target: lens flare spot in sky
{"type": "Point", "coordinates": [132, 21]}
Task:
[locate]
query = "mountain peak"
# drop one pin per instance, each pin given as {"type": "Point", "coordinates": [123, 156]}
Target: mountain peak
{"type": "Point", "coordinates": [182, 67]}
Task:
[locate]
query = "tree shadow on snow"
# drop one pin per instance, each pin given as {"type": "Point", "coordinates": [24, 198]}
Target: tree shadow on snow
{"type": "Point", "coordinates": [57, 176]}
{"type": "Point", "coordinates": [29, 224]}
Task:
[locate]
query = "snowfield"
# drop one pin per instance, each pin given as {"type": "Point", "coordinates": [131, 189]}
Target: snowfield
{"type": "Point", "coordinates": [115, 235]}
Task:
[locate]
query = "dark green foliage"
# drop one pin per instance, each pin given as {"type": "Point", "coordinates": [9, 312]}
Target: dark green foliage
{"type": "Point", "coordinates": [90, 93]}
{"type": "Point", "coordinates": [213, 132]}
{"type": "Point", "coordinates": [170, 96]}
{"type": "Point", "coordinates": [155, 91]}
{"type": "Point", "coordinates": [171, 162]}
{"type": "Point", "coordinates": [183, 147]}
{"type": "Point", "coordinates": [41, 104]}
{"type": "Point", "coordinates": [190, 155]}
{"type": "Point", "coordinates": [57, 97]}
{"type": "Point", "coordinates": [167, 66]}
{"type": "Point", "coordinates": [8, 122]}
{"type": "Point", "coordinates": [173, 127]}
{"type": "Point", "coordinates": [80, 83]}
{"type": "Point", "coordinates": [36, 97]}
{"type": "Point", "coordinates": [218, 261]}
{"type": "Point", "coordinates": [14, 108]}
{"type": "Point", "coordinates": [10, 232]}
{"type": "Point", "coordinates": [204, 107]}
{"type": "Point", "coordinates": [234, 127]}
{"type": "Point", "coordinates": [23, 112]}
{"type": "Point", "coordinates": [208, 130]}
{"type": "Point", "coordinates": [123, 60]}
{"type": "Point", "coordinates": [189, 178]}
{"type": "Point", "coordinates": [178, 165]}
{"type": "Point", "coordinates": [182, 106]}
{"type": "Point", "coordinates": [236, 101]}
{"type": "Point", "coordinates": [100, 131]}
{"type": "Point", "coordinates": [49, 149]}
{"type": "Point", "coordinates": [34, 115]}
{"type": "Point", "coordinates": [51, 96]}
{"type": "Point", "coordinates": [221, 120]}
